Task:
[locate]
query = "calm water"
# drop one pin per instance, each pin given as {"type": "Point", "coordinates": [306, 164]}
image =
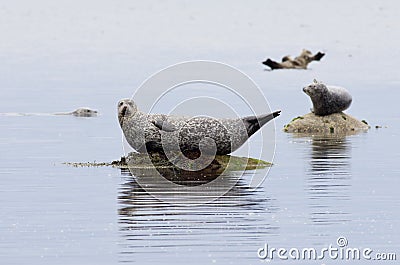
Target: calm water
{"type": "Point", "coordinates": [318, 189]}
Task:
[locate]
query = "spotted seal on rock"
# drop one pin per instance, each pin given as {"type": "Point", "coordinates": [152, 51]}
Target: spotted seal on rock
{"type": "Point", "coordinates": [160, 133]}
{"type": "Point", "coordinates": [300, 62]}
{"type": "Point", "coordinates": [327, 99]}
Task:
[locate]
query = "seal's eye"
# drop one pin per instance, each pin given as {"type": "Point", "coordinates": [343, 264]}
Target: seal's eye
{"type": "Point", "coordinates": [120, 103]}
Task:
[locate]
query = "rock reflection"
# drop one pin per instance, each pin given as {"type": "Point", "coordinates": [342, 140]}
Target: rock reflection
{"type": "Point", "coordinates": [329, 179]}
{"type": "Point", "coordinates": [234, 224]}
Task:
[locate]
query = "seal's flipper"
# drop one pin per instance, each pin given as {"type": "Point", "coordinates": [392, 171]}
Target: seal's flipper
{"type": "Point", "coordinates": [318, 56]}
{"type": "Point", "coordinates": [286, 58]}
{"type": "Point", "coordinates": [164, 125]}
{"type": "Point", "coordinates": [272, 64]}
{"type": "Point", "coordinates": [254, 123]}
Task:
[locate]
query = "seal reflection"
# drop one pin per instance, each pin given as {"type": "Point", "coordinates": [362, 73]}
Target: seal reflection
{"type": "Point", "coordinates": [329, 179]}
{"type": "Point", "coordinates": [154, 230]}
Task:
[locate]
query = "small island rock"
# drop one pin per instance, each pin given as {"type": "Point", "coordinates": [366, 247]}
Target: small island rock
{"type": "Point", "coordinates": [336, 123]}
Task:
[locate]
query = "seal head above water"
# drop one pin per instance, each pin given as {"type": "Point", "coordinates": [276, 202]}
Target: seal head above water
{"type": "Point", "coordinates": [327, 99]}
{"type": "Point", "coordinates": [84, 112]}
{"type": "Point", "coordinates": [160, 133]}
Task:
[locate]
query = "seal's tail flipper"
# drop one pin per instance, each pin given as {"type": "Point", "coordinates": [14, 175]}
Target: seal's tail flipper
{"type": "Point", "coordinates": [254, 123]}
{"type": "Point", "coordinates": [318, 56]}
{"type": "Point", "coordinates": [272, 64]}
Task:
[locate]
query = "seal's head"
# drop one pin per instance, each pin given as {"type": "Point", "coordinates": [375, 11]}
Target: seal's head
{"type": "Point", "coordinates": [315, 89]}
{"type": "Point", "coordinates": [126, 109]}
{"type": "Point", "coordinates": [306, 55]}
{"type": "Point", "coordinates": [84, 112]}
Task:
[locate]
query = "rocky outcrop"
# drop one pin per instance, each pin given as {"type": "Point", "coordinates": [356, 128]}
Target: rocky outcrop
{"type": "Point", "coordinates": [336, 123]}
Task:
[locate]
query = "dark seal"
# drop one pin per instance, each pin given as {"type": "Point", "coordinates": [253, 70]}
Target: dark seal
{"type": "Point", "coordinates": [300, 62]}
{"type": "Point", "coordinates": [327, 99]}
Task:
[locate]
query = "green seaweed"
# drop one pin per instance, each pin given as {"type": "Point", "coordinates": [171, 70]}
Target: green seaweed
{"type": "Point", "coordinates": [297, 118]}
{"type": "Point", "coordinates": [232, 163]}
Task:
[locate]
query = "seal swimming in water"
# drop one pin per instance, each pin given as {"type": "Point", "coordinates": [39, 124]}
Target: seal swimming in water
{"type": "Point", "coordinates": [300, 62]}
{"type": "Point", "coordinates": [327, 99]}
{"type": "Point", "coordinates": [79, 112]}
{"type": "Point", "coordinates": [159, 132]}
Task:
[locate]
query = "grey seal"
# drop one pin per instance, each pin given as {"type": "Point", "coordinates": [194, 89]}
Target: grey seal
{"type": "Point", "coordinates": [79, 112]}
{"type": "Point", "coordinates": [300, 62]}
{"type": "Point", "coordinates": [160, 132]}
{"type": "Point", "coordinates": [327, 99]}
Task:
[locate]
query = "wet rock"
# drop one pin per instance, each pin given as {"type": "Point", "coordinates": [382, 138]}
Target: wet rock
{"type": "Point", "coordinates": [336, 123]}
{"type": "Point", "coordinates": [159, 160]}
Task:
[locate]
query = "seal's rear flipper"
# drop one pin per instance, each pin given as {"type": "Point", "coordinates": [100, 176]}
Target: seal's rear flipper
{"type": "Point", "coordinates": [254, 123]}
{"type": "Point", "coordinates": [272, 64]}
{"type": "Point", "coordinates": [318, 56]}
{"type": "Point", "coordinates": [276, 113]}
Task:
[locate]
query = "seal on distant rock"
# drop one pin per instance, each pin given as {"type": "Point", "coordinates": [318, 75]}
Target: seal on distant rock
{"type": "Point", "coordinates": [300, 62]}
{"type": "Point", "coordinates": [160, 133]}
{"type": "Point", "coordinates": [327, 99]}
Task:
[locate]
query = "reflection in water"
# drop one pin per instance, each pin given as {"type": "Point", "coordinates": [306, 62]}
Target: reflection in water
{"type": "Point", "coordinates": [329, 179]}
{"type": "Point", "coordinates": [232, 226]}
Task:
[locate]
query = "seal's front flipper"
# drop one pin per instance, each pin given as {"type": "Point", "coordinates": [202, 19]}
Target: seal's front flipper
{"type": "Point", "coordinates": [272, 64]}
{"type": "Point", "coordinates": [286, 58]}
{"type": "Point", "coordinates": [164, 125]}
